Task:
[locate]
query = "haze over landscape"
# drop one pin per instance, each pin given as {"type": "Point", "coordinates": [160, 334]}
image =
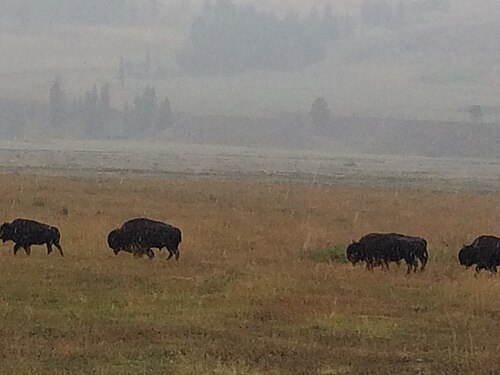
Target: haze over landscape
{"type": "Point", "coordinates": [392, 77]}
{"type": "Point", "coordinates": [295, 159]}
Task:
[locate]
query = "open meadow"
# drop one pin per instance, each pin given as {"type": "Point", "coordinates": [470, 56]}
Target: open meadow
{"type": "Point", "coordinates": [272, 133]}
{"type": "Point", "coordinates": [261, 286]}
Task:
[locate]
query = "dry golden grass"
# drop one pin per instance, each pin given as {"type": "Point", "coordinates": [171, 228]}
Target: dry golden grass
{"type": "Point", "coordinates": [243, 299]}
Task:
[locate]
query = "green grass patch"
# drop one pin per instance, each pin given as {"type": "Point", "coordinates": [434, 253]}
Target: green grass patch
{"type": "Point", "coordinates": [334, 254]}
{"type": "Point", "coordinates": [444, 255]}
{"type": "Point", "coordinates": [371, 327]}
{"type": "Point", "coordinates": [213, 284]}
{"type": "Point", "coordinates": [39, 202]}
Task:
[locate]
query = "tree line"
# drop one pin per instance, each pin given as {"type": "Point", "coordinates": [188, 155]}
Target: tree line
{"type": "Point", "coordinates": [401, 13]}
{"type": "Point", "coordinates": [148, 115]}
{"type": "Point", "coordinates": [232, 38]}
{"type": "Point", "coordinates": [93, 116]}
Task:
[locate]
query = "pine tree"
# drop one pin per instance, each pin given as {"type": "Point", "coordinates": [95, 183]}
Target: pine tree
{"type": "Point", "coordinates": [147, 64]}
{"type": "Point", "coordinates": [164, 118]}
{"type": "Point", "coordinates": [320, 114]}
{"type": "Point", "coordinates": [121, 71]}
{"type": "Point", "coordinates": [57, 104]}
{"type": "Point", "coordinates": [105, 98]}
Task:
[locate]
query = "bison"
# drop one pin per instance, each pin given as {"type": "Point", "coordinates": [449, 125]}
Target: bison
{"type": "Point", "coordinates": [484, 252]}
{"type": "Point", "coordinates": [140, 235]}
{"type": "Point", "coordinates": [419, 245]}
{"type": "Point", "coordinates": [25, 233]}
{"type": "Point", "coordinates": [383, 248]}
{"type": "Point", "coordinates": [117, 241]}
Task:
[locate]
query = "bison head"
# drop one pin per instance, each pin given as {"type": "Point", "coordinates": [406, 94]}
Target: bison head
{"type": "Point", "coordinates": [355, 252]}
{"type": "Point", "coordinates": [115, 241]}
{"type": "Point", "coordinates": [5, 232]}
{"type": "Point", "coordinates": [467, 255]}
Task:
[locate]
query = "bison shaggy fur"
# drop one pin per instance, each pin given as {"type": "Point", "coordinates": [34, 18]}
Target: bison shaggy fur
{"type": "Point", "coordinates": [25, 233]}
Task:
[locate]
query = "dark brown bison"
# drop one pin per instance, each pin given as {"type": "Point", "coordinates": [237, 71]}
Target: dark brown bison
{"type": "Point", "coordinates": [383, 248]}
{"type": "Point", "coordinates": [25, 233]}
{"type": "Point", "coordinates": [141, 235]}
{"type": "Point", "coordinates": [484, 252]}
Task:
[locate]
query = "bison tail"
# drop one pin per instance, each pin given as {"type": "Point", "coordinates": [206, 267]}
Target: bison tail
{"type": "Point", "coordinates": [424, 258]}
{"type": "Point", "coordinates": [426, 253]}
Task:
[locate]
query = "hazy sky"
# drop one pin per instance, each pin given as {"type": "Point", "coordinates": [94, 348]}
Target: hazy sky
{"type": "Point", "coordinates": [431, 69]}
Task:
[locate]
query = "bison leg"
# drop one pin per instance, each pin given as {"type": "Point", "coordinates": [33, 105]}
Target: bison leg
{"type": "Point", "coordinates": [408, 271]}
{"type": "Point", "coordinates": [49, 248]}
{"type": "Point", "coordinates": [136, 250]}
{"type": "Point", "coordinates": [383, 264]}
{"type": "Point", "coordinates": [370, 262]}
{"type": "Point", "coordinates": [16, 248]}
{"type": "Point", "coordinates": [139, 252]}
{"type": "Point", "coordinates": [423, 264]}
{"type": "Point", "coordinates": [27, 250]}
{"type": "Point", "coordinates": [170, 254]}
{"type": "Point", "coordinates": [56, 244]}
{"type": "Point", "coordinates": [150, 253]}
{"type": "Point", "coordinates": [177, 255]}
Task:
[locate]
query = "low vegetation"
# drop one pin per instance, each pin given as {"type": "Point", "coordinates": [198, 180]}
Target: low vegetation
{"type": "Point", "coordinates": [326, 254]}
{"type": "Point", "coordinates": [261, 286]}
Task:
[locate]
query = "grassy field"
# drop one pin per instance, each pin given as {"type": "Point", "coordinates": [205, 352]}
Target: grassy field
{"type": "Point", "coordinates": [261, 287]}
